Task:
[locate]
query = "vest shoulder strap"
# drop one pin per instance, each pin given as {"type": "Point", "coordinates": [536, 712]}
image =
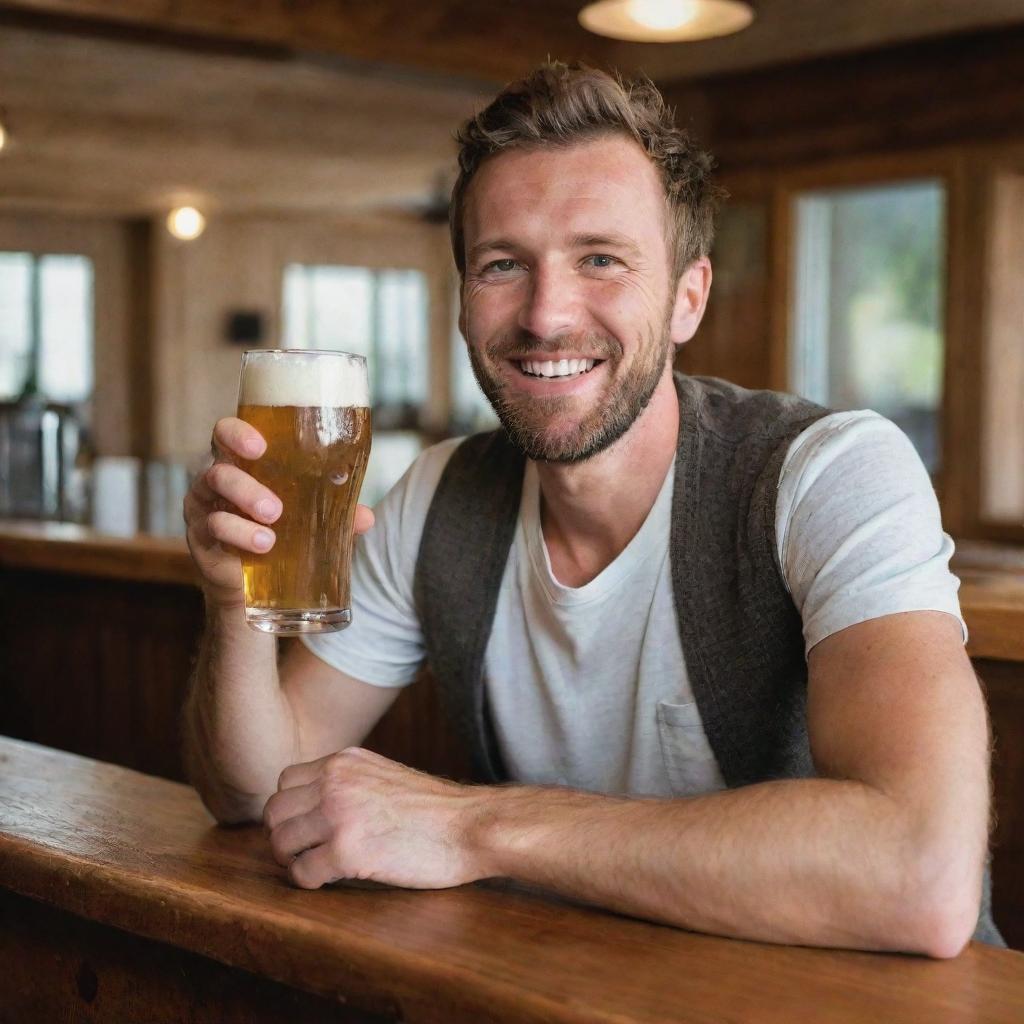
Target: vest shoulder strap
{"type": "Point", "coordinates": [462, 557]}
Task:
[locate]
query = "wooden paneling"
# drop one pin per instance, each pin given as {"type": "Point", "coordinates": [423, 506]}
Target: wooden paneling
{"type": "Point", "coordinates": [62, 967]}
{"type": "Point", "coordinates": [1002, 392]}
{"type": "Point", "coordinates": [1004, 685]}
{"type": "Point", "coordinates": [951, 91]}
{"type": "Point", "coordinates": [97, 666]}
{"type": "Point", "coordinates": [734, 337]}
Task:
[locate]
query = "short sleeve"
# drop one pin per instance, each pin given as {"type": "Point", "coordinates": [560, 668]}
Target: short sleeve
{"type": "Point", "coordinates": [384, 644]}
{"type": "Point", "coordinates": [858, 527]}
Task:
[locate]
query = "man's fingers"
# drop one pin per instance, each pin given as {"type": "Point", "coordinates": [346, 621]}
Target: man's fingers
{"type": "Point", "coordinates": [289, 803]}
{"type": "Point", "coordinates": [303, 773]}
{"type": "Point", "coordinates": [294, 835]}
{"type": "Point", "coordinates": [364, 518]}
{"type": "Point", "coordinates": [227, 528]}
{"type": "Point", "coordinates": [243, 491]}
{"type": "Point", "coordinates": [239, 438]}
{"type": "Point", "coordinates": [314, 868]}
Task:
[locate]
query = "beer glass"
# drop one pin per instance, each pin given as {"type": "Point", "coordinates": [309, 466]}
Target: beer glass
{"type": "Point", "coordinates": [313, 410]}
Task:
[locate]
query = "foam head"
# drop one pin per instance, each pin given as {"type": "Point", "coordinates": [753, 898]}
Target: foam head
{"type": "Point", "coordinates": [304, 379]}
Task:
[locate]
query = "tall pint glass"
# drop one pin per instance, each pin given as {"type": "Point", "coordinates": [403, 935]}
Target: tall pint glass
{"type": "Point", "coordinates": [313, 410]}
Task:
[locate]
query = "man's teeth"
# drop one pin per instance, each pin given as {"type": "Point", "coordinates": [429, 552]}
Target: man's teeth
{"type": "Point", "coordinates": [561, 368]}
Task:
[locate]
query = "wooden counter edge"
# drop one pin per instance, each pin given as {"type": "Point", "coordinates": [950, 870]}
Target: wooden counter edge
{"type": "Point", "coordinates": [65, 548]}
{"type": "Point", "coordinates": [350, 968]}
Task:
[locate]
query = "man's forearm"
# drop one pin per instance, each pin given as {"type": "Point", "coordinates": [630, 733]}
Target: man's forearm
{"type": "Point", "coordinates": [239, 728]}
{"type": "Point", "coordinates": [817, 862]}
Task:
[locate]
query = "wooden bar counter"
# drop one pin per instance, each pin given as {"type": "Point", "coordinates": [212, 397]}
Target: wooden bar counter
{"type": "Point", "coordinates": [97, 637]}
{"type": "Point", "coordinates": [122, 901]}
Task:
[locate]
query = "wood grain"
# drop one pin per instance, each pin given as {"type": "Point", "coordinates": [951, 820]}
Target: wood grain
{"type": "Point", "coordinates": [140, 854]}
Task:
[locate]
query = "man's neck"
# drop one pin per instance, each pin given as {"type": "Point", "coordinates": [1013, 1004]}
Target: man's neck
{"type": "Point", "coordinates": [591, 510]}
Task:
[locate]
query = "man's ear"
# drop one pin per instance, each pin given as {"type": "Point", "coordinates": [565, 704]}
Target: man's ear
{"type": "Point", "coordinates": [691, 300]}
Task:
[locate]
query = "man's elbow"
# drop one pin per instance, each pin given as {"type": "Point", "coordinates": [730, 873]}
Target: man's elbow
{"type": "Point", "coordinates": [942, 914]}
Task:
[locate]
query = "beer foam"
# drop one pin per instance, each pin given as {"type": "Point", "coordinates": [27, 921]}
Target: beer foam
{"type": "Point", "coordinates": [304, 379]}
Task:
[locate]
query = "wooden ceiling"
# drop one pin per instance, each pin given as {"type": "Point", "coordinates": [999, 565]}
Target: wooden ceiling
{"type": "Point", "coordinates": [278, 105]}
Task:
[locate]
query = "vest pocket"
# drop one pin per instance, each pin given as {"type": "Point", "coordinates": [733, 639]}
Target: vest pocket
{"type": "Point", "coordinates": [689, 760]}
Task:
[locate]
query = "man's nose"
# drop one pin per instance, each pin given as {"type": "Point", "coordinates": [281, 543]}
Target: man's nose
{"type": "Point", "coordinates": [553, 304]}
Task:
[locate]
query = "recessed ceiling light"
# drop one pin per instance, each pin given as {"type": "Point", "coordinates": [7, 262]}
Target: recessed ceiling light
{"type": "Point", "coordinates": [186, 223]}
{"type": "Point", "coordinates": [666, 21]}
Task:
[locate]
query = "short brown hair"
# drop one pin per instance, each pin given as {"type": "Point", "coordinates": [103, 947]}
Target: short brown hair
{"type": "Point", "coordinates": [559, 104]}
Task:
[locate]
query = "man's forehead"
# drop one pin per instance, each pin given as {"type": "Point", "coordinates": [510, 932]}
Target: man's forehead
{"type": "Point", "coordinates": [609, 178]}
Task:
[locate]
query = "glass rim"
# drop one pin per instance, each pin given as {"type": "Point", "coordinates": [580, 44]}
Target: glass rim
{"type": "Point", "coordinates": [301, 352]}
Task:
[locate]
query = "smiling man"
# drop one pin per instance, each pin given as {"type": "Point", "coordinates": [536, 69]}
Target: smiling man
{"type": "Point", "coordinates": [703, 642]}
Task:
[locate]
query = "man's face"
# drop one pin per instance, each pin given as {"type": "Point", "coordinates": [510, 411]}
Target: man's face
{"type": "Point", "coordinates": [568, 294]}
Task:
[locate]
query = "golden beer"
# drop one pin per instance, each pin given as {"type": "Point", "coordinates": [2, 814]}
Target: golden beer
{"type": "Point", "coordinates": [316, 456]}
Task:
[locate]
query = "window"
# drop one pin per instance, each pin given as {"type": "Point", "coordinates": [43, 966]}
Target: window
{"type": "Point", "coordinates": [380, 314]}
{"type": "Point", "coordinates": [46, 326]}
{"type": "Point", "coordinates": [868, 325]}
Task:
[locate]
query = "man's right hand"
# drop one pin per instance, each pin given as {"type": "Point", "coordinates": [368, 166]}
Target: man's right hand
{"type": "Point", "coordinates": [228, 511]}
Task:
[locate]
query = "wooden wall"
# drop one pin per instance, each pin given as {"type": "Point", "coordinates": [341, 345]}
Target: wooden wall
{"type": "Point", "coordinates": [950, 110]}
{"type": "Point", "coordinates": [238, 263]}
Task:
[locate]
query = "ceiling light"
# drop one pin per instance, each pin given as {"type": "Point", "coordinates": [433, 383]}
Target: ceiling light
{"type": "Point", "coordinates": [186, 223]}
{"type": "Point", "coordinates": [665, 21]}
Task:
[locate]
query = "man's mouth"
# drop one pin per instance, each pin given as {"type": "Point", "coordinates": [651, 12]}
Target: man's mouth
{"type": "Point", "coordinates": [556, 369]}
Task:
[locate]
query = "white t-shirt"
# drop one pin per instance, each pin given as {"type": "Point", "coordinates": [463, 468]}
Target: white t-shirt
{"type": "Point", "coordinates": [588, 685]}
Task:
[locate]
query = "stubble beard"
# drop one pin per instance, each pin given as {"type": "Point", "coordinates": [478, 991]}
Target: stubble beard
{"type": "Point", "coordinates": [527, 419]}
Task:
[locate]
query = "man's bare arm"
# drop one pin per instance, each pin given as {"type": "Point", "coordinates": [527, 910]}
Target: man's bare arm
{"type": "Point", "coordinates": [242, 723]}
{"type": "Point", "coordinates": [886, 851]}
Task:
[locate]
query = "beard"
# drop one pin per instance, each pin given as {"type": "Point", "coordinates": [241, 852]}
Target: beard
{"type": "Point", "coordinates": [528, 420]}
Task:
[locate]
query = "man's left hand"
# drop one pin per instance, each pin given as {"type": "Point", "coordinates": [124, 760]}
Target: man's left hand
{"type": "Point", "coordinates": [356, 814]}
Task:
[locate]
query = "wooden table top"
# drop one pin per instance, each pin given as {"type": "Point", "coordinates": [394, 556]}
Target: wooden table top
{"type": "Point", "coordinates": [141, 854]}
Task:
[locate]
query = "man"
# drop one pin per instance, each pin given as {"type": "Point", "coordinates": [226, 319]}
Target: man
{"type": "Point", "coordinates": [652, 623]}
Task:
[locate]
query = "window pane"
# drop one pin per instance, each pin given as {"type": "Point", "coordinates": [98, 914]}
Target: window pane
{"type": "Point", "coordinates": [402, 337]}
{"type": "Point", "coordinates": [15, 321]}
{"type": "Point", "coordinates": [381, 314]}
{"type": "Point", "coordinates": [328, 308]}
{"type": "Point", "coordinates": [65, 327]}
{"type": "Point", "coordinates": [868, 329]}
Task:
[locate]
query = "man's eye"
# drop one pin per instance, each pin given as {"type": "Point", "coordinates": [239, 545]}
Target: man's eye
{"type": "Point", "coordinates": [502, 266]}
{"type": "Point", "coordinates": [602, 262]}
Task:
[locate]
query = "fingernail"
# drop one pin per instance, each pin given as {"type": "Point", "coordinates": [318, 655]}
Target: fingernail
{"type": "Point", "coordinates": [267, 509]}
{"type": "Point", "coordinates": [262, 540]}
{"type": "Point", "coordinates": [253, 446]}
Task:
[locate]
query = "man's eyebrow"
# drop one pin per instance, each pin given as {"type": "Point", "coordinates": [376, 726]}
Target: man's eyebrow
{"type": "Point", "coordinates": [606, 240]}
{"type": "Point", "coordinates": [490, 245]}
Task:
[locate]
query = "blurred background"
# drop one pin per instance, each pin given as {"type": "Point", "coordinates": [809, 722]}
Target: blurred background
{"type": "Point", "coordinates": [869, 256]}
